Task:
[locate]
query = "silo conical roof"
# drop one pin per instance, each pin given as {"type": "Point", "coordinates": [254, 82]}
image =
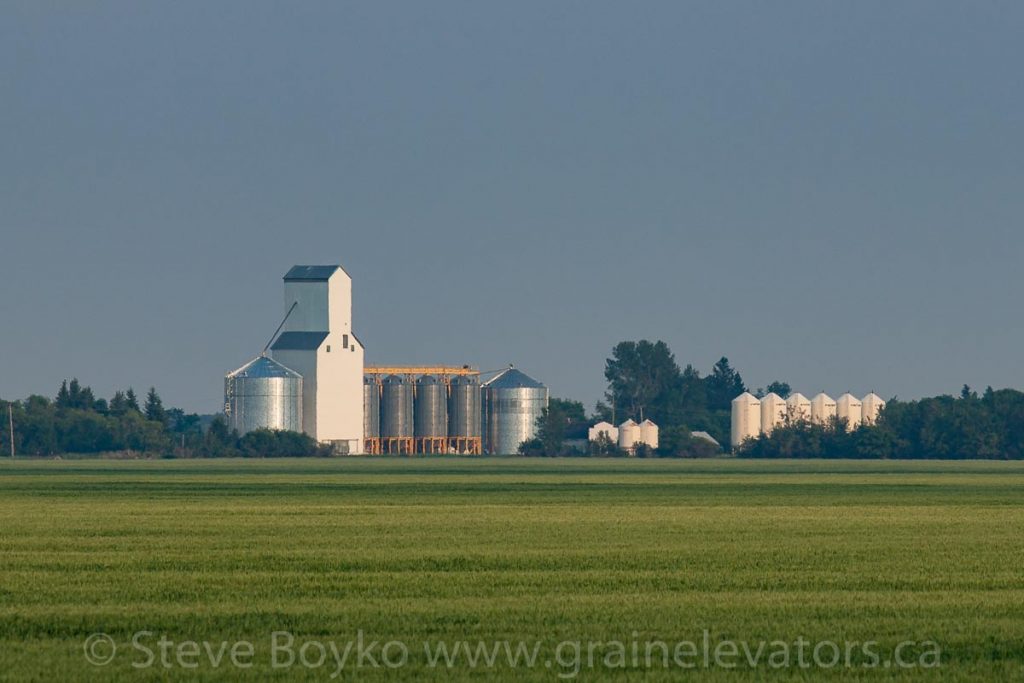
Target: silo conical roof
{"type": "Point", "coordinates": [264, 366]}
{"type": "Point", "coordinates": [513, 379]}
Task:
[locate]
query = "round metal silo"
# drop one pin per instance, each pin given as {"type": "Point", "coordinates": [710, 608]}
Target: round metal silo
{"type": "Point", "coordinates": [263, 394]}
{"type": "Point", "coordinates": [396, 408]}
{"type": "Point", "coordinates": [464, 408]}
{"type": "Point", "coordinates": [512, 402]}
{"type": "Point", "coordinates": [371, 408]}
{"type": "Point", "coordinates": [431, 409]}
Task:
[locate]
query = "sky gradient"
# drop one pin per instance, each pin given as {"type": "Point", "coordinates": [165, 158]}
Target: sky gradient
{"type": "Point", "coordinates": [827, 193]}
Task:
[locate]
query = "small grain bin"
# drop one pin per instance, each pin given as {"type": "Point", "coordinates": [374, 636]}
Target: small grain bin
{"type": "Point", "coordinates": [872, 406]}
{"type": "Point", "coordinates": [649, 433]}
{"type": "Point", "coordinates": [629, 435]}
{"type": "Point", "coordinates": [823, 408]}
{"type": "Point", "coordinates": [798, 407]}
{"type": "Point", "coordinates": [746, 418]}
{"type": "Point", "coordinates": [773, 412]}
{"type": "Point", "coordinates": [606, 428]}
{"type": "Point", "coordinates": [849, 408]}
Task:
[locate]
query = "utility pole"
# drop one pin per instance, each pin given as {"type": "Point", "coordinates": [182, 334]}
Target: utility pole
{"type": "Point", "coordinates": [10, 424]}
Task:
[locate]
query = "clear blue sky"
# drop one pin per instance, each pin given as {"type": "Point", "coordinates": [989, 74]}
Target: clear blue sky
{"type": "Point", "coordinates": [829, 193]}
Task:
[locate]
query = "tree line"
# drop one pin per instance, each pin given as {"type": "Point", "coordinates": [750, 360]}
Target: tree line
{"type": "Point", "coordinates": [990, 426]}
{"type": "Point", "coordinates": [645, 381]}
{"type": "Point", "coordinates": [76, 421]}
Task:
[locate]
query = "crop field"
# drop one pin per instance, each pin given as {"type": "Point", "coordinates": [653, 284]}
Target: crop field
{"type": "Point", "coordinates": [366, 569]}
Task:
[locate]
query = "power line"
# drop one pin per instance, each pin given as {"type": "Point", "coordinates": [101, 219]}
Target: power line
{"type": "Point", "coordinates": [267, 347]}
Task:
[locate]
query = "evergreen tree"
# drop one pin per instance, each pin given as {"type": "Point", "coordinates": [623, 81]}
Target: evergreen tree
{"type": "Point", "coordinates": [155, 407]}
{"type": "Point", "coordinates": [694, 392]}
{"type": "Point", "coordinates": [723, 385]}
{"type": "Point", "coordinates": [85, 400]}
{"type": "Point", "coordinates": [118, 404]}
{"type": "Point", "coordinates": [73, 396]}
{"type": "Point", "coordinates": [63, 396]}
{"type": "Point", "coordinates": [131, 400]}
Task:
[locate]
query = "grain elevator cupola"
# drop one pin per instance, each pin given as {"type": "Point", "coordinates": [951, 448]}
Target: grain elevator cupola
{"type": "Point", "coordinates": [316, 341]}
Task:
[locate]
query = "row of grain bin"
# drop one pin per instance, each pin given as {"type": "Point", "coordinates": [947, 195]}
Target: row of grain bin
{"type": "Point", "coordinates": [425, 414]}
{"type": "Point", "coordinates": [628, 435]}
{"type": "Point", "coordinates": [752, 416]}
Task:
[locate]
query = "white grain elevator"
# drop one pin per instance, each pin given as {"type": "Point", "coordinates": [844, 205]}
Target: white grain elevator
{"type": "Point", "coordinates": [317, 342]}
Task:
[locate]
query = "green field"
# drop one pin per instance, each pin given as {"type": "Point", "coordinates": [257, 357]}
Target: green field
{"type": "Point", "coordinates": [549, 552]}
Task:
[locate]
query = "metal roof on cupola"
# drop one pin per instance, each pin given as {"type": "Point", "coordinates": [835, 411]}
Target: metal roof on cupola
{"type": "Point", "coordinates": [299, 341]}
{"type": "Point", "coordinates": [312, 273]}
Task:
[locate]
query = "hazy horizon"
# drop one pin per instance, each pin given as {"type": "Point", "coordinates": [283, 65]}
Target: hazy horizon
{"type": "Point", "coordinates": [827, 194]}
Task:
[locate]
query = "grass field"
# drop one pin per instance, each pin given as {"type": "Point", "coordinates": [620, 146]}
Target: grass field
{"type": "Point", "coordinates": [549, 552]}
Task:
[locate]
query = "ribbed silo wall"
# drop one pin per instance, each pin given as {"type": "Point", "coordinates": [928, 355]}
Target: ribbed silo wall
{"type": "Point", "coordinates": [396, 408]}
{"type": "Point", "coordinates": [464, 408]}
{"type": "Point", "coordinates": [371, 408]}
{"type": "Point", "coordinates": [263, 403]}
{"type": "Point", "coordinates": [511, 416]}
{"type": "Point", "coordinates": [430, 412]}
